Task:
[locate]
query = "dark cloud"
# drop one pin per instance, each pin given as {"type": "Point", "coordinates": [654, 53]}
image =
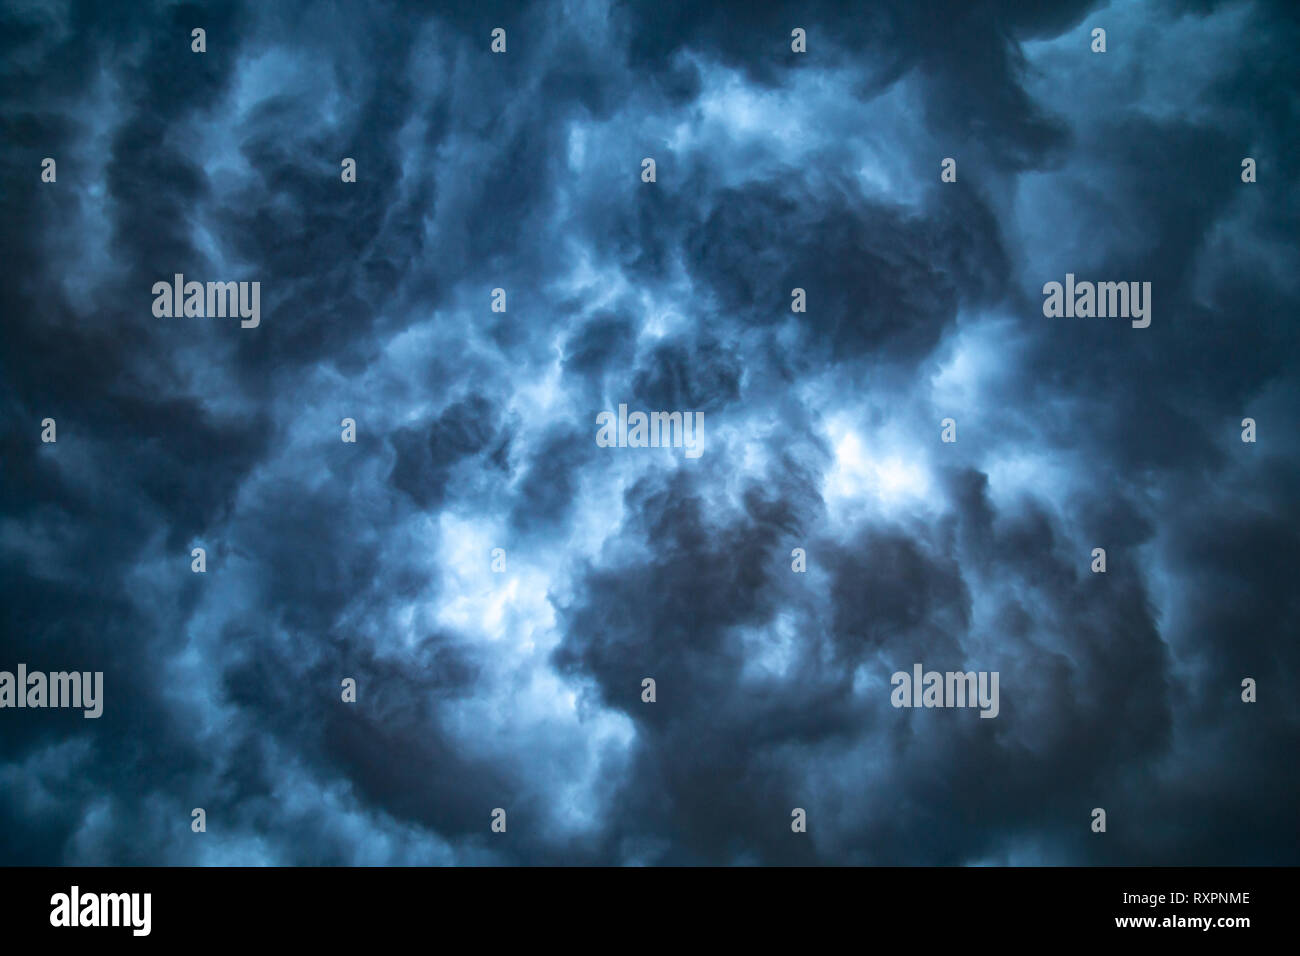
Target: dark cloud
{"type": "Point", "coordinates": [484, 684]}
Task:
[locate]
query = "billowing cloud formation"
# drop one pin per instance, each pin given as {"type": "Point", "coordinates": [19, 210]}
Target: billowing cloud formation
{"type": "Point", "coordinates": [521, 688]}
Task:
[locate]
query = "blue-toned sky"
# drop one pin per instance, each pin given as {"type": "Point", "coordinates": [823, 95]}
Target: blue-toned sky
{"type": "Point", "coordinates": [476, 430]}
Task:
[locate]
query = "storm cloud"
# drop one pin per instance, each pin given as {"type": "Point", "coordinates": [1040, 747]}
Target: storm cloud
{"type": "Point", "coordinates": [516, 682]}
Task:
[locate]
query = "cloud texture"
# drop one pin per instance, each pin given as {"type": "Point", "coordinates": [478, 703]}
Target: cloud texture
{"type": "Point", "coordinates": [476, 429]}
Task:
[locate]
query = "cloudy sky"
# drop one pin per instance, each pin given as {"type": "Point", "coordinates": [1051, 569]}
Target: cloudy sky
{"type": "Point", "coordinates": [476, 430]}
